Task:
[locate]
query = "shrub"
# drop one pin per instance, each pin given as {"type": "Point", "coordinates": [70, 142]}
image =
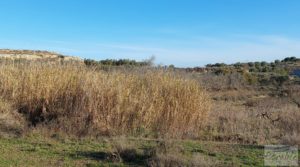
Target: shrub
{"type": "Point", "coordinates": [250, 78]}
{"type": "Point", "coordinates": [281, 71]}
{"type": "Point", "coordinates": [223, 71]}
{"type": "Point", "coordinates": [279, 80]}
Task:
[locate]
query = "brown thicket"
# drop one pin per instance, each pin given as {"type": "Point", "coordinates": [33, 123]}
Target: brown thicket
{"type": "Point", "coordinates": [83, 101]}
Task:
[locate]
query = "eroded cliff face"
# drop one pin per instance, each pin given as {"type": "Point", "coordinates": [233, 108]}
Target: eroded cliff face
{"type": "Point", "coordinates": [33, 55]}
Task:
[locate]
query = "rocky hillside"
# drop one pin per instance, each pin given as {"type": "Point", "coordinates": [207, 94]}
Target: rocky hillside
{"type": "Point", "coordinates": [36, 55]}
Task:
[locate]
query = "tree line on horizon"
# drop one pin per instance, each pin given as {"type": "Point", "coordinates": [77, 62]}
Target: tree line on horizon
{"type": "Point", "coordinates": [119, 62]}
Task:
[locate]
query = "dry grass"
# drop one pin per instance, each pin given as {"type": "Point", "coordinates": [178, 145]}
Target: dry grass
{"type": "Point", "coordinates": [75, 100]}
{"type": "Point", "coordinates": [251, 113]}
{"type": "Point", "coordinates": [82, 101]}
{"type": "Point", "coordinates": [11, 123]}
{"type": "Point", "coordinates": [265, 121]}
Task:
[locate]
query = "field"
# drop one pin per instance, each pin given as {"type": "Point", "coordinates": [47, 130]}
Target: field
{"type": "Point", "coordinates": [128, 113]}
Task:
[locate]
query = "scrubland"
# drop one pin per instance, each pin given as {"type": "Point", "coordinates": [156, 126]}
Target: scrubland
{"type": "Point", "coordinates": [78, 115]}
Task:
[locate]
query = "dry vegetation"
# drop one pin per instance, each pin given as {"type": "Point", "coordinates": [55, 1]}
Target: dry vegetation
{"type": "Point", "coordinates": [62, 101]}
{"type": "Point", "coordinates": [269, 121]}
{"type": "Point", "coordinates": [85, 102]}
{"type": "Point", "coordinates": [11, 56]}
{"type": "Point", "coordinates": [252, 113]}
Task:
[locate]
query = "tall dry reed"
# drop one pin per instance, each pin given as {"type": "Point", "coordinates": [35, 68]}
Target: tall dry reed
{"type": "Point", "coordinates": [83, 101]}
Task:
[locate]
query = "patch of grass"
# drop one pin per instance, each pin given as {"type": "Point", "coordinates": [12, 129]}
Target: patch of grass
{"type": "Point", "coordinates": [228, 154]}
{"type": "Point", "coordinates": [33, 151]}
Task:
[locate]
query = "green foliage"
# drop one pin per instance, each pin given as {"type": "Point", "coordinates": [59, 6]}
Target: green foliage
{"type": "Point", "coordinates": [41, 151]}
{"type": "Point", "coordinates": [90, 62]}
{"type": "Point", "coordinates": [290, 59]}
{"type": "Point", "coordinates": [238, 65]}
{"type": "Point", "coordinates": [120, 62]}
{"type": "Point", "coordinates": [171, 66]}
{"type": "Point", "coordinates": [253, 69]}
{"type": "Point", "coordinates": [266, 69]}
{"type": "Point", "coordinates": [263, 63]}
{"type": "Point", "coordinates": [217, 65]}
{"type": "Point", "coordinates": [251, 64]}
{"type": "Point", "coordinates": [257, 65]}
{"type": "Point", "coordinates": [262, 67]}
{"type": "Point", "coordinates": [277, 61]}
{"type": "Point", "coordinates": [272, 64]}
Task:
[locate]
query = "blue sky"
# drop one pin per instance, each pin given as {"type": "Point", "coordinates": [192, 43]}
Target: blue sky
{"type": "Point", "coordinates": [180, 32]}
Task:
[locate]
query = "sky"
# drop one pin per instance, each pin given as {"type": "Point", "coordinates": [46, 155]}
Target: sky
{"type": "Point", "coordinates": [180, 32]}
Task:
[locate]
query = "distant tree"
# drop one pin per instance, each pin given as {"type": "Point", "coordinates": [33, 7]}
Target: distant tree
{"type": "Point", "coordinates": [171, 66]}
{"type": "Point", "coordinates": [250, 64]}
{"type": "Point", "coordinates": [237, 65]}
{"type": "Point", "coordinates": [290, 59]}
{"type": "Point", "coordinates": [272, 65]}
{"type": "Point", "coordinates": [89, 62]}
{"type": "Point", "coordinates": [219, 65]}
{"type": "Point", "coordinates": [257, 65]}
{"type": "Point", "coordinates": [293, 59]}
{"type": "Point", "coordinates": [263, 63]}
{"type": "Point", "coordinates": [120, 62]}
{"type": "Point", "coordinates": [208, 65]}
{"type": "Point", "coordinates": [150, 61]}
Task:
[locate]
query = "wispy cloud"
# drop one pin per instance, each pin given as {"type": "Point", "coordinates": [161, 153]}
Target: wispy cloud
{"type": "Point", "coordinates": [194, 51]}
{"type": "Point", "coordinates": [138, 48]}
